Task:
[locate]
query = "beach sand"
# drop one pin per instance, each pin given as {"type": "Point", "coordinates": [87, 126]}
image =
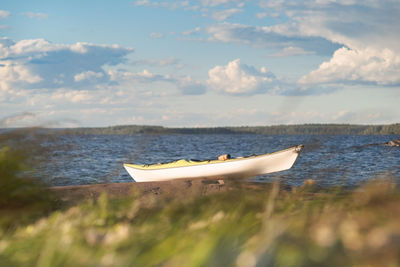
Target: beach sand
{"type": "Point", "coordinates": [75, 193]}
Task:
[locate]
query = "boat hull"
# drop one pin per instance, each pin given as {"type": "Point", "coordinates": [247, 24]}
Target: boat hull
{"type": "Point", "coordinates": [233, 168]}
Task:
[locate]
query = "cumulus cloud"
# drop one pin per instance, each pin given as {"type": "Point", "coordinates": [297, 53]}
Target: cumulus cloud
{"type": "Point", "coordinates": [361, 37]}
{"type": "Point", "coordinates": [371, 66]}
{"type": "Point", "coordinates": [4, 14]}
{"type": "Point", "coordinates": [32, 64]}
{"type": "Point", "coordinates": [366, 30]}
{"type": "Point", "coordinates": [240, 79]}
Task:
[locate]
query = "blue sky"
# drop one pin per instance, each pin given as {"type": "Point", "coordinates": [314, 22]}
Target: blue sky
{"type": "Point", "coordinates": [199, 63]}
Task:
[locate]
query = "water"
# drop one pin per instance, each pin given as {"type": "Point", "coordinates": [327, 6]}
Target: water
{"type": "Point", "coordinates": [330, 160]}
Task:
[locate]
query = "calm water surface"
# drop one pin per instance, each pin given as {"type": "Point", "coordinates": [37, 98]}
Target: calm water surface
{"type": "Point", "coordinates": [330, 160]}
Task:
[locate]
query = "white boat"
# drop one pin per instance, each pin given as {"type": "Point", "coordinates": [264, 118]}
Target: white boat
{"type": "Point", "coordinates": [216, 169]}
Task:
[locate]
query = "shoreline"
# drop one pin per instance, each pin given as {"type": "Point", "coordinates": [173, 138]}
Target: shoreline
{"type": "Point", "coordinates": [171, 188]}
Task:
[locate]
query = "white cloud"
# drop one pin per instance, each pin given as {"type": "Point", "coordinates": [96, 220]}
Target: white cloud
{"type": "Point", "coordinates": [192, 31]}
{"type": "Point", "coordinates": [364, 35]}
{"type": "Point", "coordinates": [142, 3]}
{"type": "Point", "coordinates": [88, 75]}
{"type": "Point", "coordinates": [34, 15]}
{"type": "Point", "coordinates": [224, 14]}
{"type": "Point", "coordinates": [261, 15]}
{"type": "Point", "coordinates": [12, 49]}
{"type": "Point", "coordinates": [172, 5]}
{"type": "Point", "coordinates": [380, 67]}
{"type": "Point", "coordinates": [186, 4]}
{"type": "Point", "coordinates": [240, 79]}
{"type": "Point", "coordinates": [18, 73]}
{"type": "Point", "coordinates": [352, 23]}
{"type": "Point", "coordinates": [4, 14]}
{"type": "Point", "coordinates": [203, 6]}
{"type": "Point", "coordinates": [367, 30]}
{"type": "Point", "coordinates": [170, 62]}
{"type": "Point", "coordinates": [140, 77]}
{"type": "Point", "coordinates": [156, 35]}
{"type": "Point", "coordinates": [157, 62]}
{"type": "Point", "coordinates": [35, 64]}
{"type": "Point", "coordinates": [191, 8]}
{"type": "Point", "coordinates": [291, 51]}
{"type": "Point", "coordinates": [186, 85]}
{"type": "Point", "coordinates": [273, 37]}
{"type": "Point", "coordinates": [74, 96]}
{"type": "Point", "coordinates": [213, 3]}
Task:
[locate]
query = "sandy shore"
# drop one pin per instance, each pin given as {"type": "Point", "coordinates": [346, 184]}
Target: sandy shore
{"type": "Point", "coordinates": [170, 188]}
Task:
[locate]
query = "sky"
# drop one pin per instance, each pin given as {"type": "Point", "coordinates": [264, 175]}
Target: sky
{"type": "Point", "coordinates": [199, 63]}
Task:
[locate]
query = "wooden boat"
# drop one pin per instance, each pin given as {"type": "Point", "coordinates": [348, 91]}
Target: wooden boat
{"type": "Point", "coordinates": [216, 169]}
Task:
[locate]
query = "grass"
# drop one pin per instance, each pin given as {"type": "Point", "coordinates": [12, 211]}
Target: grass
{"type": "Point", "coordinates": [20, 190]}
{"type": "Point", "coordinates": [239, 227]}
{"type": "Point", "coordinates": [243, 226]}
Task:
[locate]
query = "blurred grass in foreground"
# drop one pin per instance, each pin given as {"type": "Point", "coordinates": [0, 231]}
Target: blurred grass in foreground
{"type": "Point", "coordinates": [264, 226]}
{"type": "Point", "coordinates": [23, 196]}
{"type": "Point", "coordinates": [242, 226]}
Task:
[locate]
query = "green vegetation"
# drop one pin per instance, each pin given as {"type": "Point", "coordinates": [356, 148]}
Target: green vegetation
{"type": "Point", "coordinates": [263, 226]}
{"type": "Point", "coordinates": [240, 226]}
{"type": "Point", "coordinates": [20, 191]}
{"type": "Point", "coordinates": [305, 129]}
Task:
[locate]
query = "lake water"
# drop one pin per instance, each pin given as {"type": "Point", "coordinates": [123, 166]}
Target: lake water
{"type": "Point", "coordinates": [330, 160]}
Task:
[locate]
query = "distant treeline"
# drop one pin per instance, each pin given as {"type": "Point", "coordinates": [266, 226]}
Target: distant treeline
{"type": "Point", "coordinates": [304, 129]}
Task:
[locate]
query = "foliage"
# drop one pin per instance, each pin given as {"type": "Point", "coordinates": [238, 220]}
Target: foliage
{"type": "Point", "coordinates": [238, 227]}
{"type": "Point", "coordinates": [22, 196]}
{"type": "Point", "coordinates": [305, 129]}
